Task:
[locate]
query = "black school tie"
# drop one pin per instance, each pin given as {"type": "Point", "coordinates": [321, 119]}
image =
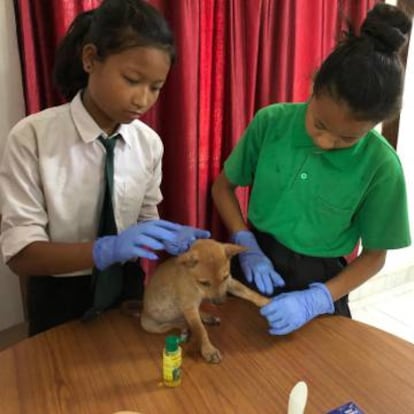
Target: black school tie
{"type": "Point", "coordinates": [107, 283]}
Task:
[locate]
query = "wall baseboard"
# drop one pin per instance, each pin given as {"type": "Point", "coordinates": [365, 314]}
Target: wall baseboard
{"type": "Point", "coordinates": [12, 335]}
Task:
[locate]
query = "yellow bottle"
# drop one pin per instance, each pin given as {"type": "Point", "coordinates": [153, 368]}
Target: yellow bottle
{"type": "Point", "coordinates": [171, 361]}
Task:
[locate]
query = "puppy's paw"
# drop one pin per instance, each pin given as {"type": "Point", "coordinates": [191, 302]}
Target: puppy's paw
{"type": "Point", "coordinates": [131, 308]}
{"type": "Point", "coordinates": [262, 301]}
{"type": "Point", "coordinates": [211, 354]}
{"type": "Point", "coordinates": [210, 319]}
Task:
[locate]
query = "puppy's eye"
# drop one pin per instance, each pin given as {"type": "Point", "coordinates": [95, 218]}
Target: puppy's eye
{"type": "Point", "coordinates": [204, 283]}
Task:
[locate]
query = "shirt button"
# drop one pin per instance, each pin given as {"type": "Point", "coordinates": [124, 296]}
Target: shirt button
{"type": "Point", "coordinates": [304, 176]}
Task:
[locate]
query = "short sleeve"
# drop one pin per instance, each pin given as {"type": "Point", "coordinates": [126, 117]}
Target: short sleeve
{"type": "Point", "coordinates": [383, 216]}
{"type": "Point", "coordinates": [24, 218]}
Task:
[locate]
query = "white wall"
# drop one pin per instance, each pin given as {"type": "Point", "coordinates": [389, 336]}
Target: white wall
{"type": "Point", "coordinates": [405, 149]}
{"type": "Point", "coordinates": [11, 110]}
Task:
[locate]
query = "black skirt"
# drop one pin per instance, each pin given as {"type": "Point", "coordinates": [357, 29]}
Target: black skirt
{"type": "Point", "coordinates": [52, 301]}
{"type": "Point", "coordinates": [297, 270]}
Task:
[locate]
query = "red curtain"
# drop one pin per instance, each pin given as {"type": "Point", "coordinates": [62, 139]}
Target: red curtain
{"type": "Point", "coordinates": [233, 57]}
{"type": "Point", "coordinates": [41, 25]}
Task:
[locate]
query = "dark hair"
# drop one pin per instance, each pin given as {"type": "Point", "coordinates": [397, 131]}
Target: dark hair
{"type": "Point", "coordinates": [365, 71]}
{"type": "Point", "coordinates": [112, 27]}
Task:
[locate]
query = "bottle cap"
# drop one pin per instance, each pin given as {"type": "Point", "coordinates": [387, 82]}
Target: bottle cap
{"type": "Point", "coordinates": [171, 343]}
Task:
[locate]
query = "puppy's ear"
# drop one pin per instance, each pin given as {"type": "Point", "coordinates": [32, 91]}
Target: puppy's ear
{"type": "Point", "coordinates": [189, 259]}
{"type": "Point", "coordinates": [233, 249]}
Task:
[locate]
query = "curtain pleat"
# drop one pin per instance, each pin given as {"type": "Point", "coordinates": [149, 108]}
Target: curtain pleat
{"type": "Point", "coordinates": [41, 24]}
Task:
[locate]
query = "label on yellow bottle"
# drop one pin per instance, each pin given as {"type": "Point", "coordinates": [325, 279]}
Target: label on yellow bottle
{"type": "Point", "coordinates": [171, 368]}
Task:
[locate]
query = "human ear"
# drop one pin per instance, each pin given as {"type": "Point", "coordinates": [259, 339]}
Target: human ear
{"type": "Point", "coordinates": [89, 57]}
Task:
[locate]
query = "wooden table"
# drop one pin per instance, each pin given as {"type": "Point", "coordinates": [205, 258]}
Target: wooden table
{"type": "Point", "coordinates": [110, 364]}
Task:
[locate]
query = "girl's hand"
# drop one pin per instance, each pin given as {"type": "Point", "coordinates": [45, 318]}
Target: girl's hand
{"type": "Point", "coordinates": [256, 265]}
{"type": "Point", "coordinates": [289, 311]}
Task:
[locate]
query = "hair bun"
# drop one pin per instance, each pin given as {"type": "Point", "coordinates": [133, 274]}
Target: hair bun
{"type": "Point", "coordinates": [387, 27]}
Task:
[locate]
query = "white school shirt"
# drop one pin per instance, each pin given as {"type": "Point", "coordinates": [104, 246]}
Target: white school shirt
{"type": "Point", "coordinates": [52, 178]}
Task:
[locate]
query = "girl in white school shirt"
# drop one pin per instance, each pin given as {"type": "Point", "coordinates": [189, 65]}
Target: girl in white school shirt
{"type": "Point", "coordinates": [111, 65]}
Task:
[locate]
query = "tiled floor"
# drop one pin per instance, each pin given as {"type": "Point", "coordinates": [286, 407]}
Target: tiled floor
{"type": "Point", "coordinates": [391, 310]}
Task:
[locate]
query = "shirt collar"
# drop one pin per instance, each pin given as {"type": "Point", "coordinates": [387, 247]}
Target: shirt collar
{"type": "Point", "coordinates": [87, 128]}
{"type": "Point", "coordinates": [344, 158]}
{"type": "Point", "coordinates": [341, 158]}
{"type": "Point", "coordinates": [302, 140]}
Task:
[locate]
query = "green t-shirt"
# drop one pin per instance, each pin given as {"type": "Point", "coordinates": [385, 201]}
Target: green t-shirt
{"type": "Point", "coordinates": [314, 201]}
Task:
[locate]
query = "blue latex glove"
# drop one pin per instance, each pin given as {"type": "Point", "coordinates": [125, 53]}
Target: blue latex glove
{"type": "Point", "coordinates": [255, 264]}
{"type": "Point", "coordinates": [184, 238]}
{"type": "Point", "coordinates": [134, 242]}
{"type": "Point", "coordinates": [289, 311]}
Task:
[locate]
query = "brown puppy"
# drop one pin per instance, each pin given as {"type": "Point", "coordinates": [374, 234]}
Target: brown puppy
{"type": "Point", "coordinates": [178, 286]}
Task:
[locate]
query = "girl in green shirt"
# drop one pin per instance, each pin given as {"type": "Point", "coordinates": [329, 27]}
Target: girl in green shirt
{"type": "Point", "coordinates": [321, 179]}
